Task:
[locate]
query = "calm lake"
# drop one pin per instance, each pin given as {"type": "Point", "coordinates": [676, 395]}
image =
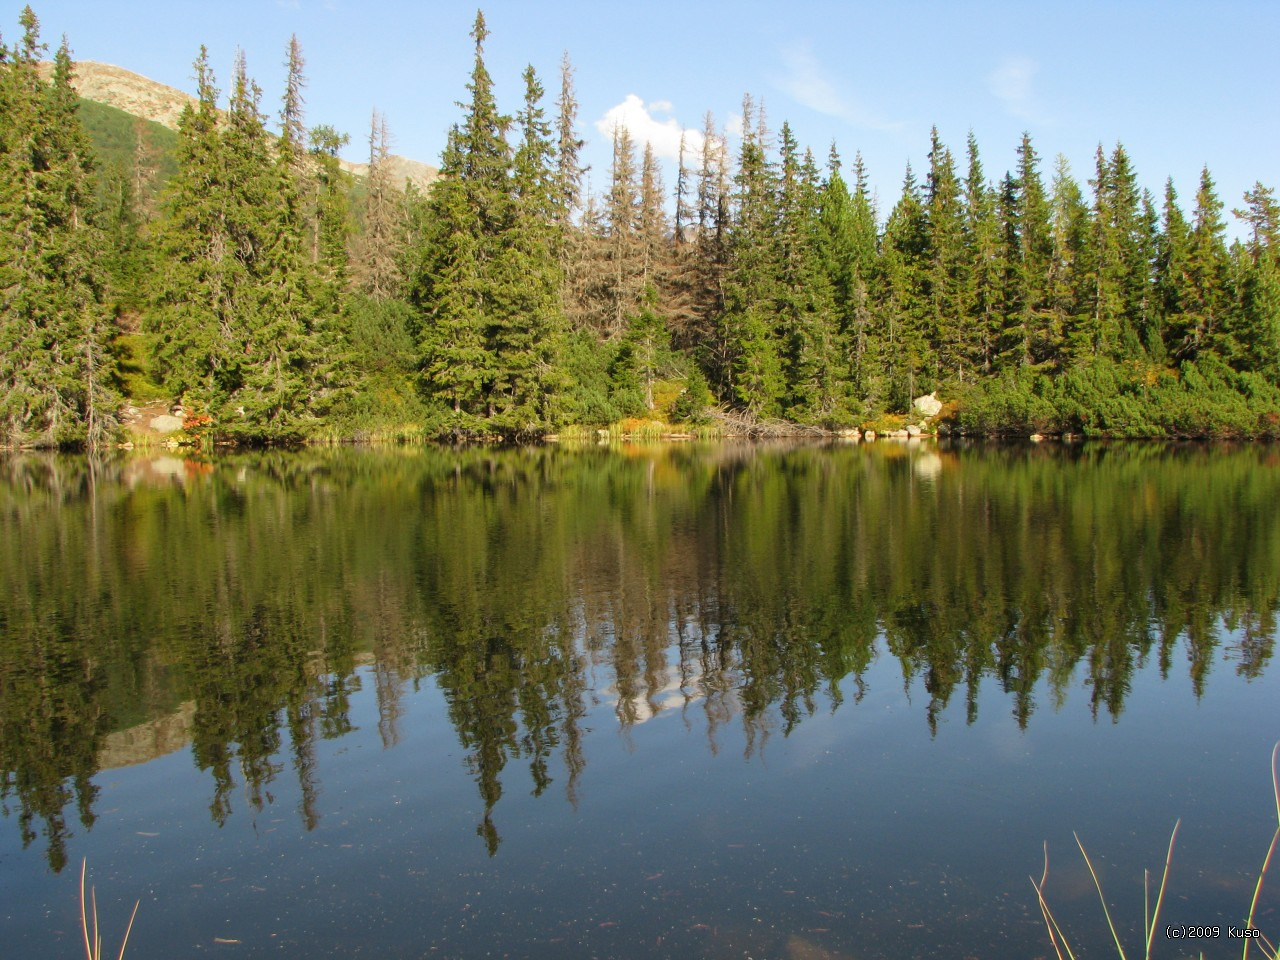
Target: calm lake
{"type": "Point", "coordinates": [684, 701]}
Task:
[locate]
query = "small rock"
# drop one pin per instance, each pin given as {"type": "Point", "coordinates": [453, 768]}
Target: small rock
{"type": "Point", "coordinates": [913, 430]}
{"type": "Point", "coordinates": [869, 435]}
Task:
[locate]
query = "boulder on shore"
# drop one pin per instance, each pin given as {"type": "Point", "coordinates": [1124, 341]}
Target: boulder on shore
{"type": "Point", "coordinates": [927, 406]}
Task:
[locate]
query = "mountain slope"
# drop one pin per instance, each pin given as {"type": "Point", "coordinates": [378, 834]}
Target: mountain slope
{"type": "Point", "coordinates": [139, 96]}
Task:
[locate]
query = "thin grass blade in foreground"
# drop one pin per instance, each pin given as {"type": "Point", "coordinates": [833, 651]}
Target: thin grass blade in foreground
{"type": "Point", "coordinates": [1150, 919]}
{"type": "Point", "coordinates": [1164, 882]}
{"type": "Point", "coordinates": [1050, 922]}
{"type": "Point", "coordinates": [1262, 874]}
{"type": "Point", "coordinates": [93, 951]}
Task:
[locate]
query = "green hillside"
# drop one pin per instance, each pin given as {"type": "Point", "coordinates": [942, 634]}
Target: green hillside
{"type": "Point", "coordinates": [121, 140]}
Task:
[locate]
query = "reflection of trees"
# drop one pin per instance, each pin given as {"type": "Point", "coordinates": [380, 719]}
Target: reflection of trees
{"type": "Point", "coordinates": [51, 726]}
{"type": "Point", "coordinates": [735, 583]}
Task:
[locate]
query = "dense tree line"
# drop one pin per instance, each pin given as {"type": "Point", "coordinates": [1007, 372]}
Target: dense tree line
{"type": "Point", "coordinates": [280, 301]}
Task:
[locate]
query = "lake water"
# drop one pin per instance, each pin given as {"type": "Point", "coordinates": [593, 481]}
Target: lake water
{"type": "Point", "coordinates": [684, 701]}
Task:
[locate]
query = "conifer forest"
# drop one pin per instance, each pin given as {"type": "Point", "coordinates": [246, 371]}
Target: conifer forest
{"type": "Point", "coordinates": [276, 298]}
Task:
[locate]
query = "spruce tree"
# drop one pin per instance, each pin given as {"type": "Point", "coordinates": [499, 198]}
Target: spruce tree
{"type": "Point", "coordinates": [1026, 338]}
{"type": "Point", "coordinates": [330, 214]}
{"type": "Point", "coordinates": [193, 315]}
{"type": "Point", "coordinates": [846, 244]}
{"type": "Point", "coordinates": [1258, 333]}
{"type": "Point", "coordinates": [456, 289]}
{"type": "Point", "coordinates": [1204, 321]}
{"type": "Point", "coordinates": [903, 298]}
{"type": "Point", "coordinates": [947, 267]}
{"type": "Point", "coordinates": [808, 330]}
{"type": "Point", "coordinates": [1064, 289]}
{"type": "Point", "coordinates": [625, 249]}
{"type": "Point", "coordinates": [528, 323]}
{"type": "Point", "coordinates": [710, 256]}
{"type": "Point", "coordinates": [1119, 266]}
{"type": "Point", "coordinates": [753, 372]}
{"type": "Point", "coordinates": [56, 369]}
{"type": "Point", "coordinates": [981, 295]}
{"type": "Point", "coordinates": [1170, 266]}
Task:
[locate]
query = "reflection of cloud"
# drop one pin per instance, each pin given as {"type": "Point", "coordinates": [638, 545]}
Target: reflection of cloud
{"type": "Point", "coordinates": [638, 119]}
{"type": "Point", "coordinates": [807, 82]}
{"type": "Point", "coordinates": [1010, 83]}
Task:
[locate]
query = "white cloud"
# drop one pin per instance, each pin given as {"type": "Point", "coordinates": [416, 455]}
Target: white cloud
{"type": "Point", "coordinates": [1011, 84]}
{"type": "Point", "coordinates": [638, 119]}
{"type": "Point", "coordinates": [807, 82]}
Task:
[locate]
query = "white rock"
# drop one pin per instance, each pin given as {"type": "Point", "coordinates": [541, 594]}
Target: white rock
{"type": "Point", "coordinates": [929, 405]}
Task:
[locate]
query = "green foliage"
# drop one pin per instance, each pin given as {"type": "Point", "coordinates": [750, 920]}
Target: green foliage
{"type": "Point", "coordinates": [274, 291]}
{"type": "Point", "coordinates": [240, 311]}
{"type": "Point", "coordinates": [591, 397]}
{"type": "Point", "coordinates": [120, 139]}
{"type": "Point", "coordinates": [138, 382]}
{"type": "Point", "coordinates": [1205, 398]}
{"type": "Point", "coordinates": [56, 369]}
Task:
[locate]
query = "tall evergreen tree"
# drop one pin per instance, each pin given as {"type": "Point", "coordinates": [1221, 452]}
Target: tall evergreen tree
{"type": "Point", "coordinates": [808, 335]}
{"type": "Point", "coordinates": [330, 213]}
{"type": "Point", "coordinates": [981, 302]}
{"type": "Point", "coordinates": [457, 290]}
{"type": "Point", "coordinates": [1204, 321]}
{"type": "Point", "coordinates": [1258, 335]}
{"type": "Point", "coordinates": [903, 298]}
{"type": "Point", "coordinates": [193, 315]}
{"type": "Point", "coordinates": [1171, 265]}
{"type": "Point", "coordinates": [528, 321]}
{"type": "Point", "coordinates": [1120, 270]}
{"type": "Point", "coordinates": [1026, 338]}
{"type": "Point", "coordinates": [710, 256]}
{"type": "Point", "coordinates": [1064, 289]}
{"type": "Point", "coordinates": [947, 267]}
{"type": "Point", "coordinates": [626, 248]}
{"type": "Point", "coordinates": [56, 369]}
{"type": "Point", "coordinates": [753, 373]}
{"type": "Point", "coordinates": [847, 254]}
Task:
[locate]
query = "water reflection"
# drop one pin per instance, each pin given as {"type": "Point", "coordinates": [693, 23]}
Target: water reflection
{"type": "Point", "coordinates": [753, 585]}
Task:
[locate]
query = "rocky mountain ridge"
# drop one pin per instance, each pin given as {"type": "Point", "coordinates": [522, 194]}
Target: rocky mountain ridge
{"type": "Point", "coordinates": [143, 97]}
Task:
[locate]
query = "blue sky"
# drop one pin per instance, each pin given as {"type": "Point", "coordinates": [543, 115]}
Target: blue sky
{"type": "Point", "coordinates": [1181, 84]}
